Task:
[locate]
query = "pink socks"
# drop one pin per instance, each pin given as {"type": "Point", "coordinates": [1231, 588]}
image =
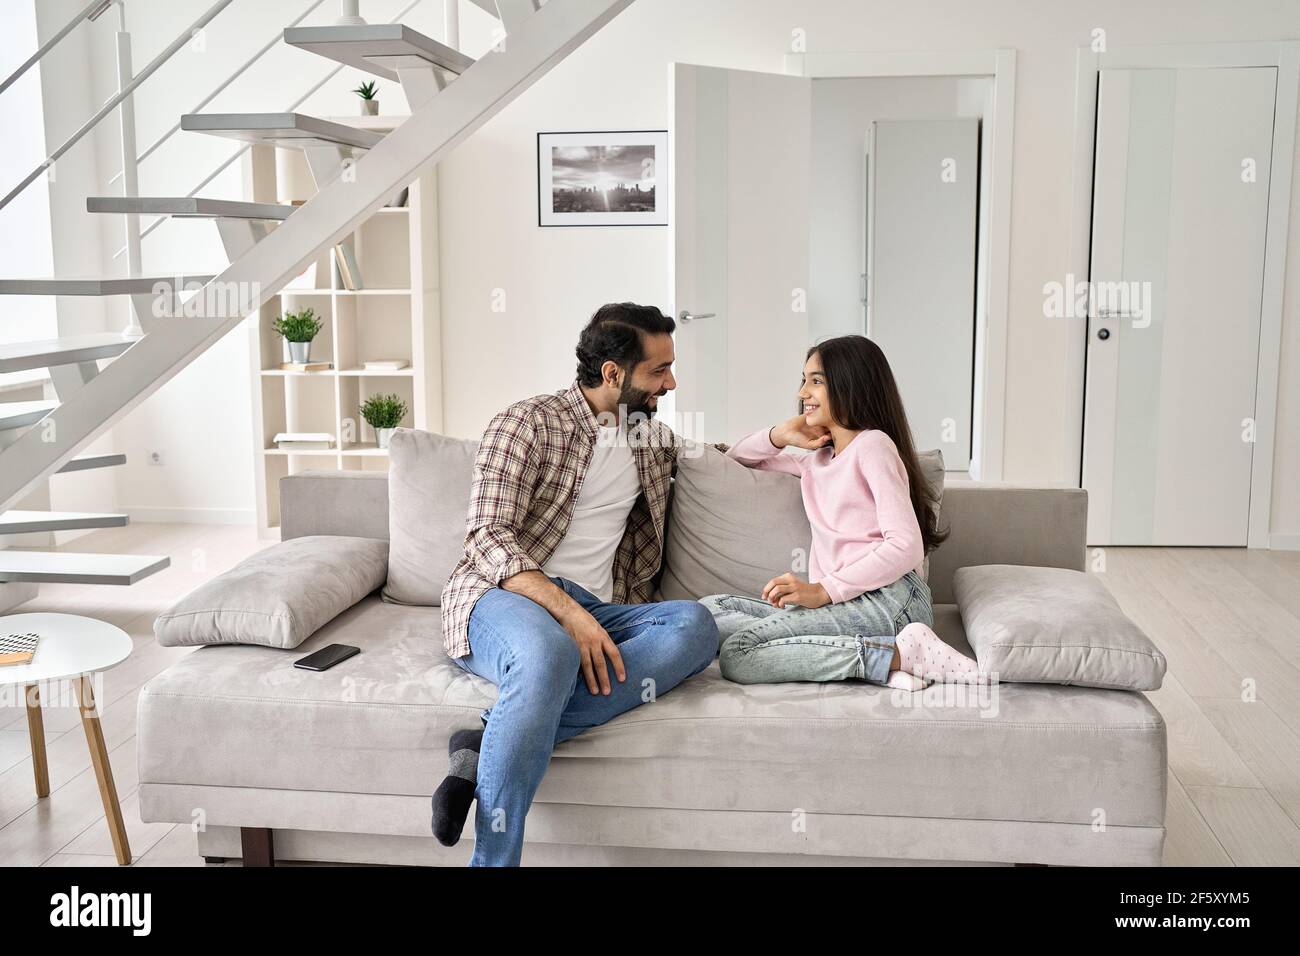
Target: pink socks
{"type": "Point", "coordinates": [901, 680]}
{"type": "Point", "coordinates": [922, 654]}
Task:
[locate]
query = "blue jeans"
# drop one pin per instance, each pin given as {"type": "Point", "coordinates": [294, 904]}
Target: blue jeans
{"type": "Point", "coordinates": [543, 699]}
{"type": "Point", "coordinates": [762, 644]}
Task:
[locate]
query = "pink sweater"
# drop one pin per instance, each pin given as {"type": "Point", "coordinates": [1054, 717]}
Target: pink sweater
{"type": "Point", "coordinates": [864, 531]}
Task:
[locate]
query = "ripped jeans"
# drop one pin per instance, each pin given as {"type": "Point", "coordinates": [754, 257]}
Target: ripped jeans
{"type": "Point", "coordinates": [762, 644]}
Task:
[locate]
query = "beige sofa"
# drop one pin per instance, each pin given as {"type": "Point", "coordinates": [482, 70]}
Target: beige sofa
{"type": "Point", "coordinates": [280, 763]}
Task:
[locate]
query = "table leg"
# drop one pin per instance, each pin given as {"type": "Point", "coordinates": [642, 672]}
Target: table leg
{"type": "Point", "coordinates": [36, 731]}
{"type": "Point", "coordinates": [103, 770]}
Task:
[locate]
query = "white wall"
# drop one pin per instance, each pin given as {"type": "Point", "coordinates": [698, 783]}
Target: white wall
{"type": "Point", "coordinates": [554, 278]}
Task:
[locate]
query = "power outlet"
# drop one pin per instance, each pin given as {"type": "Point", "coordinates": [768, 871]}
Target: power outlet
{"type": "Point", "coordinates": [155, 458]}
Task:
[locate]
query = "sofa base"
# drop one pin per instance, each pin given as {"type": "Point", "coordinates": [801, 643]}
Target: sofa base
{"type": "Point", "coordinates": [317, 826]}
{"type": "Point", "coordinates": [220, 845]}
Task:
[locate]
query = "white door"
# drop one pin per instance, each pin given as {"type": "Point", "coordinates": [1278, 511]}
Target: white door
{"type": "Point", "coordinates": [922, 194]}
{"type": "Point", "coordinates": [739, 235]}
{"type": "Point", "coordinates": [1180, 199]}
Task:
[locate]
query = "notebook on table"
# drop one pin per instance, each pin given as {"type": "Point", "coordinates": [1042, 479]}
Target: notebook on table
{"type": "Point", "coordinates": [18, 648]}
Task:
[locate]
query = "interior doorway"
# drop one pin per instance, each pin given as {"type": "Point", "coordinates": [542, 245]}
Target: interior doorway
{"type": "Point", "coordinates": [921, 270]}
{"type": "Point", "coordinates": [755, 283]}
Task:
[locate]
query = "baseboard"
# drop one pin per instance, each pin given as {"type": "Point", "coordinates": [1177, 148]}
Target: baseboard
{"type": "Point", "coordinates": [1284, 541]}
{"type": "Point", "coordinates": [238, 516]}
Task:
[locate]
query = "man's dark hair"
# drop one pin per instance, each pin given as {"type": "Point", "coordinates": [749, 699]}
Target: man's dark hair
{"type": "Point", "coordinates": [614, 334]}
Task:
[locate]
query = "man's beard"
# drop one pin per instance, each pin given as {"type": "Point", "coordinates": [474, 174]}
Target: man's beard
{"type": "Point", "coordinates": [635, 401]}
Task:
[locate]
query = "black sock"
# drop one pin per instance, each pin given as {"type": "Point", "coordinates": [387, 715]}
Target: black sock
{"type": "Point", "coordinates": [454, 795]}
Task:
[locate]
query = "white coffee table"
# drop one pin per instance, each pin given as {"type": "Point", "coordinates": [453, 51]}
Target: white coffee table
{"type": "Point", "coordinates": [72, 648]}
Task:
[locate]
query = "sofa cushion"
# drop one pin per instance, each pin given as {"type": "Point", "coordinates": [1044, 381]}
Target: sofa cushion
{"type": "Point", "coordinates": [429, 479]}
{"type": "Point", "coordinates": [731, 529]}
{"type": "Point", "coordinates": [279, 596]}
{"type": "Point", "coordinates": [378, 723]}
{"type": "Point", "coordinates": [1053, 625]}
{"type": "Point", "coordinates": [931, 463]}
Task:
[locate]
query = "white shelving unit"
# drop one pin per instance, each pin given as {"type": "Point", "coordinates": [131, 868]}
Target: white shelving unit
{"type": "Point", "coordinates": [394, 316]}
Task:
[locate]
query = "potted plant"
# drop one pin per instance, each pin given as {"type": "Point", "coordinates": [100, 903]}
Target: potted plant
{"type": "Point", "coordinates": [298, 329]}
{"type": "Point", "coordinates": [383, 413]}
{"type": "Point", "coordinates": [369, 103]}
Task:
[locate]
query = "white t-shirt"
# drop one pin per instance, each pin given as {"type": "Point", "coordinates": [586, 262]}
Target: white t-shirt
{"type": "Point", "coordinates": [586, 554]}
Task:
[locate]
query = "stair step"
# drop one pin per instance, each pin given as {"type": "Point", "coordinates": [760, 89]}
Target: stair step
{"type": "Point", "coordinates": [378, 48]}
{"type": "Point", "coordinates": [487, 6]}
{"type": "Point", "coordinates": [288, 130]}
{"type": "Point", "coordinates": [66, 350]}
{"type": "Point", "coordinates": [143, 285]}
{"type": "Point", "coordinates": [22, 522]}
{"type": "Point", "coordinates": [18, 414]}
{"type": "Point", "coordinates": [188, 207]}
{"type": "Point", "coordinates": [65, 567]}
{"type": "Point", "coordinates": [87, 462]}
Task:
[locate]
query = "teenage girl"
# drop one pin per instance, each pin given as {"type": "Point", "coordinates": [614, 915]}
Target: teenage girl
{"type": "Point", "coordinates": [865, 612]}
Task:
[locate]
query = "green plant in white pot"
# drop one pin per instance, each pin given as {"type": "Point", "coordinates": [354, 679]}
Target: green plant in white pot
{"type": "Point", "coordinates": [298, 329]}
{"type": "Point", "coordinates": [383, 413]}
{"type": "Point", "coordinates": [369, 93]}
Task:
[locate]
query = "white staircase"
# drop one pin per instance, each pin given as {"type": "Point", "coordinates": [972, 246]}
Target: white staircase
{"type": "Point", "coordinates": [149, 286]}
{"type": "Point", "coordinates": [189, 207]}
{"type": "Point", "coordinates": [241, 225]}
{"type": "Point", "coordinates": [69, 350]}
{"type": "Point", "coordinates": [14, 415]}
{"type": "Point", "coordinates": [24, 522]}
{"type": "Point", "coordinates": [45, 567]}
{"type": "Point", "coordinates": [390, 50]}
{"type": "Point", "coordinates": [450, 96]}
{"type": "Point", "coordinates": [327, 146]}
{"type": "Point", "coordinates": [290, 130]}
{"type": "Point", "coordinates": [384, 49]}
{"type": "Point", "coordinates": [87, 462]}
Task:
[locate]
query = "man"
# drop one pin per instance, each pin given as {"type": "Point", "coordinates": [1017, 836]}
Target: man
{"type": "Point", "coordinates": [564, 537]}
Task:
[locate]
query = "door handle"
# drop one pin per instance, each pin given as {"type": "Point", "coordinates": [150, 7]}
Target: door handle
{"type": "Point", "coordinates": [685, 316]}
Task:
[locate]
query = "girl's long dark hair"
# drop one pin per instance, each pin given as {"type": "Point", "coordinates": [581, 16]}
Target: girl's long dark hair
{"type": "Point", "coordinates": [864, 395]}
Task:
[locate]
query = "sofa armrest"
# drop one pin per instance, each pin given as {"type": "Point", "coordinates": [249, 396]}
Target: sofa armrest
{"type": "Point", "coordinates": [350, 503]}
{"type": "Point", "coordinates": [1006, 524]}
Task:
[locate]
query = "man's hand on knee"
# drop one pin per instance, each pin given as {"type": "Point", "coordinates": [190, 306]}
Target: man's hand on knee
{"type": "Point", "coordinates": [594, 645]}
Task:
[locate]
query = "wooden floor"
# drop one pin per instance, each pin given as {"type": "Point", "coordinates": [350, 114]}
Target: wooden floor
{"type": "Point", "coordinates": [1227, 620]}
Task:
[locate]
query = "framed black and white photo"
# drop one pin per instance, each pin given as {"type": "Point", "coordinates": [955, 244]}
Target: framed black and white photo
{"type": "Point", "coordinates": [603, 179]}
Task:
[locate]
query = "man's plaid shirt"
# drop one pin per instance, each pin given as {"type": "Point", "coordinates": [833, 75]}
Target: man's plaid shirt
{"type": "Point", "coordinates": [529, 470]}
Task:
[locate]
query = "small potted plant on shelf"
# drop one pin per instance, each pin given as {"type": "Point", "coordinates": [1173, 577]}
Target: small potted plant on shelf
{"type": "Point", "coordinates": [383, 413]}
{"type": "Point", "coordinates": [369, 101]}
{"type": "Point", "coordinates": [298, 329]}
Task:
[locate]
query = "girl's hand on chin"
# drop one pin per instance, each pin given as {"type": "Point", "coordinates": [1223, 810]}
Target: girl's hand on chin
{"type": "Point", "coordinates": [786, 589]}
{"type": "Point", "coordinates": [796, 431]}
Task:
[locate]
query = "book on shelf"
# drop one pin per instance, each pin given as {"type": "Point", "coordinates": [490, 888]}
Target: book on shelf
{"type": "Point", "coordinates": [384, 365]}
{"type": "Point", "coordinates": [17, 649]}
{"type": "Point", "coordinates": [349, 269]}
{"type": "Point", "coordinates": [306, 366]}
{"type": "Point", "coordinates": [304, 441]}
